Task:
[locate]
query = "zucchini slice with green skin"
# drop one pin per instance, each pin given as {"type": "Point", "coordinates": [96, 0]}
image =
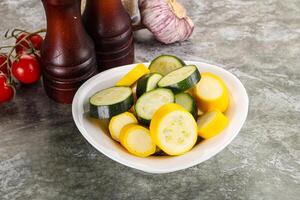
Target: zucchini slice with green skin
{"type": "Point", "coordinates": [187, 101]}
{"type": "Point", "coordinates": [181, 79]}
{"type": "Point", "coordinates": [164, 64]}
{"type": "Point", "coordinates": [110, 102]}
{"type": "Point", "coordinates": [150, 102]}
{"type": "Point", "coordinates": [147, 83]}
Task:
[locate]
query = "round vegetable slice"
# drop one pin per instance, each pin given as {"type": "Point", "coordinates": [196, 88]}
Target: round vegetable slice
{"type": "Point", "coordinates": [164, 64]}
{"type": "Point", "coordinates": [150, 102]}
{"type": "Point", "coordinates": [110, 102]}
{"type": "Point", "coordinates": [181, 79]}
{"type": "Point", "coordinates": [211, 124]}
{"type": "Point", "coordinates": [187, 101]}
{"type": "Point", "coordinates": [137, 140]}
{"type": "Point", "coordinates": [136, 73]}
{"type": "Point", "coordinates": [211, 93]}
{"type": "Point", "coordinates": [147, 83]}
{"type": "Point", "coordinates": [173, 129]}
{"type": "Point", "coordinates": [118, 122]}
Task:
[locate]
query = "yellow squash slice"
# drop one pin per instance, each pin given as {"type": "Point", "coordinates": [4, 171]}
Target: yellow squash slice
{"type": "Point", "coordinates": [133, 88]}
{"type": "Point", "coordinates": [136, 73]}
{"type": "Point", "coordinates": [173, 129]}
{"type": "Point", "coordinates": [211, 124]}
{"type": "Point", "coordinates": [137, 140]}
{"type": "Point", "coordinates": [118, 122]}
{"type": "Point", "coordinates": [211, 93]}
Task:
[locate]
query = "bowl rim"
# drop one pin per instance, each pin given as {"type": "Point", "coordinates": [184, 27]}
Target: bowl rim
{"type": "Point", "coordinates": [83, 131]}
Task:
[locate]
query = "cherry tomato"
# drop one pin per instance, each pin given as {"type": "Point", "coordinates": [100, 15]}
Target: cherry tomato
{"type": "Point", "coordinates": [3, 63]}
{"type": "Point", "coordinates": [6, 90]}
{"type": "Point", "coordinates": [24, 46]}
{"type": "Point", "coordinates": [26, 69]}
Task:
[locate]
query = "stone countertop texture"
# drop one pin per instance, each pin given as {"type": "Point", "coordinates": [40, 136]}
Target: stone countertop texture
{"type": "Point", "coordinates": [43, 155]}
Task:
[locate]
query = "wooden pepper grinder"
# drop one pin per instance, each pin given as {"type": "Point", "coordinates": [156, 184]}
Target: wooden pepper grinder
{"type": "Point", "coordinates": [68, 55]}
{"type": "Point", "coordinates": [109, 25]}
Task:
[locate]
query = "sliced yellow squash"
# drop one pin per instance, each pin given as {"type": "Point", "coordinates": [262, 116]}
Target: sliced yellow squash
{"type": "Point", "coordinates": [211, 124]}
{"type": "Point", "coordinates": [133, 88]}
{"type": "Point", "coordinates": [137, 140]}
{"type": "Point", "coordinates": [118, 122]}
{"type": "Point", "coordinates": [133, 75]}
{"type": "Point", "coordinates": [211, 93]}
{"type": "Point", "coordinates": [199, 112]}
{"type": "Point", "coordinates": [173, 129]}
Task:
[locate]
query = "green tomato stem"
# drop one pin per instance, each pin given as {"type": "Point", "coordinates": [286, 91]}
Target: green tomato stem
{"type": "Point", "coordinates": [19, 43]}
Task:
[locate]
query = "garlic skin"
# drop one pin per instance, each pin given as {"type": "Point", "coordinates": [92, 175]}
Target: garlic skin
{"type": "Point", "coordinates": [166, 19]}
{"type": "Point", "coordinates": [131, 6]}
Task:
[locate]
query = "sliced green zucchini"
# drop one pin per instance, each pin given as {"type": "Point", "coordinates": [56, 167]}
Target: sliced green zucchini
{"type": "Point", "coordinates": [164, 64]}
{"type": "Point", "coordinates": [181, 79]}
{"type": "Point", "coordinates": [150, 102]}
{"type": "Point", "coordinates": [110, 102]}
{"type": "Point", "coordinates": [147, 83]}
{"type": "Point", "coordinates": [187, 101]}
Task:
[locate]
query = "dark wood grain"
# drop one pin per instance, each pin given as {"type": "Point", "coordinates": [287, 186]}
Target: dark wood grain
{"type": "Point", "coordinates": [109, 25]}
{"type": "Point", "coordinates": [68, 54]}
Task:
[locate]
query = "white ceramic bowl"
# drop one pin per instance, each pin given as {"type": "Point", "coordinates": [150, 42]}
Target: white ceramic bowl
{"type": "Point", "coordinates": [96, 133]}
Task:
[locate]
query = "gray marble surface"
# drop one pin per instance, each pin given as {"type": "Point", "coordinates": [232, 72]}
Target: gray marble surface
{"type": "Point", "coordinates": [43, 155]}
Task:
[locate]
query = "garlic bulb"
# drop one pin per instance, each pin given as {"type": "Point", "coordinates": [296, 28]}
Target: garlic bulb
{"type": "Point", "coordinates": [166, 19]}
{"type": "Point", "coordinates": [131, 6]}
{"type": "Point", "coordinates": [83, 2]}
